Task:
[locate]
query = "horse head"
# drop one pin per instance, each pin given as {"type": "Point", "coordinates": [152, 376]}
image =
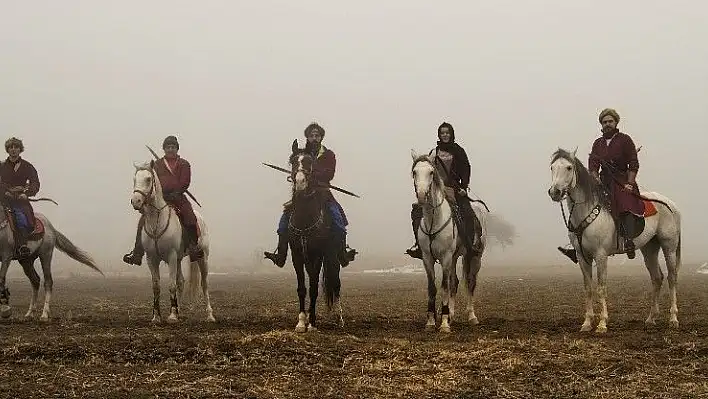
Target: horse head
{"type": "Point", "coordinates": [425, 176]}
{"type": "Point", "coordinates": [146, 186]}
{"type": "Point", "coordinates": [301, 166]}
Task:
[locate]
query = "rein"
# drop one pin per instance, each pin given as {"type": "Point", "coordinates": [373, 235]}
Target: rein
{"type": "Point", "coordinates": [156, 234]}
{"type": "Point", "coordinates": [432, 235]}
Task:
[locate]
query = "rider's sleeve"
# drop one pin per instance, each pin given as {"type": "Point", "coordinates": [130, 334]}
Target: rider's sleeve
{"type": "Point", "coordinates": [593, 159]}
{"type": "Point", "coordinates": [185, 176]}
{"type": "Point", "coordinates": [630, 155]}
{"type": "Point", "coordinates": [464, 168]}
{"type": "Point", "coordinates": [325, 167]}
{"type": "Point", "coordinates": [33, 179]}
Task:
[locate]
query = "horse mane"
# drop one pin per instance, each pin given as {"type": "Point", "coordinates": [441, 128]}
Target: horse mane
{"type": "Point", "coordinates": [584, 178]}
{"type": "Point", "coordinates": [437, 180]}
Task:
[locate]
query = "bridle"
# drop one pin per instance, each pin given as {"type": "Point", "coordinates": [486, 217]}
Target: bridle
{"type": "Point", "coordinates": [148, 200]}
{"type": "Point", "coordinates": [428, 195]}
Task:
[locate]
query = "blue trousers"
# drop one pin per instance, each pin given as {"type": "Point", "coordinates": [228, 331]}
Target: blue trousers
{"type": "Point", "coordinates": [338, 224]}
{"type": "Point", "coordinates": [21, 219]}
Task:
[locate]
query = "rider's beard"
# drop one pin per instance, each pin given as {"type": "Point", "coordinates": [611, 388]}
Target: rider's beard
{"type": "Point", "coordinates": [609, 131]}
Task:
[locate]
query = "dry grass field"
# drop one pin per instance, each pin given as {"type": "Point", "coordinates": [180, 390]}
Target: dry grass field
{"type": "Point", "coordinates": [100, 342]}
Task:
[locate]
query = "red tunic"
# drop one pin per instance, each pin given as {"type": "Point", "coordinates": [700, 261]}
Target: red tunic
{"type": "Point", "coordinates": [616, 159]}
{"type": "Point", "coordinates": [177, 181]}
{"type": "Point", "coordinates": [323, 171]}
{"type": "Point", "coordinates": [20, 173]}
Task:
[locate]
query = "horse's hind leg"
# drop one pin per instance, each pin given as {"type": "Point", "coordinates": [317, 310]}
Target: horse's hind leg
{"type": "Point", "coordinates": [432, 292]}
{"type": "Point", "coordinates": [174, 265]}
{"type": "Point", "coordinates": [28, 268]}
{"type": "Point", "coordinates": [204, 271]}
{"type": "Point", "coordinates": [471, 268]}
{"type": "Point", "coordinates": [673, 264]}
{"type": "Point", "coordinates": [650, 252]}
{"type": "Point", "coordinates": [46, 260]}
{"type": "Point", "coordinates": [454, 283]}
{"type": "Point", "coordinates": [5, 308]}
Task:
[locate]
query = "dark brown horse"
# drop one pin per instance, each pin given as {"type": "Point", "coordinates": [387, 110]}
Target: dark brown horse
{"type": "Point", "coordinates": [311, 242]}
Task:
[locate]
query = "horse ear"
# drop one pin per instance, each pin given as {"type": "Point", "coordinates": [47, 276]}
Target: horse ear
{"type": "Point", "coordinates": [295, 146]}
{"type": "Point", "coordinates": [575, 152]}
{"type": "Point", "coordinates": [135, 165]}
{"type": "Point", "coordinates": [414, 154]}
{"type": "Point", "coordinates": [152, 164]}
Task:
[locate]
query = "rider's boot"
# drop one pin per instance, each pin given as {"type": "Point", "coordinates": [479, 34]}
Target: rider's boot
{"type": "Point", "coordinates": [135, 257]}
{"type": "Point", "coordinates": [416, 217]}
{"type": "Point", "coordinates": [281, 254]}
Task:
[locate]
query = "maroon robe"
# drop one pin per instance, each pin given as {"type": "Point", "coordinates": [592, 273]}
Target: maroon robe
{"type": "Point", "coordinates": [20, 174]}
{"type": "Point", "coordinates": [620, 156]}
{"type": "Point", "coordinates": [323, 171]}
{"type": "Point", "coordinates": [177, 181]}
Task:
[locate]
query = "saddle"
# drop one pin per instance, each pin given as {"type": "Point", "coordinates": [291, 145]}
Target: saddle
{"type": "Point", "coordinates": [470, 225]}
{"type": "Point", "coordinates": [634, 226]}
{"type": "Point", "coordinates": [184, 231]}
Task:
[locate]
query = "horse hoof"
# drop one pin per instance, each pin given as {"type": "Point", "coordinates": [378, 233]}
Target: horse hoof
{"type": "Point", "coordinates": [211, 319]}
{"type": "Point", "coordinates": [673, 323]}
{"type": "Point", "coordinates": [586, 327]}
{"type": "Point", "coordinates": [172, 319]}
{"type": "Point", "coordinates": [300, 328]}
{"type": "Point", "coordinates": [445, 329]}
{"type": "Point", "coordinates": [311, 328]}
{"type": "Point", "coordinates": [650, 323]}
{"type": "Point", "coordinates": [5, 311]}
{"type": "Point", "coordinates": [601, 329]}
{"type": "Point", "coordinates": [474, 321]}
{"type": "Point", "coordinates": [29, 315]}
{"type": "Point", "coordinates": [44, 318]}
{"type": "Point", "coordinates": [429, 327]}
{"type": "Point", "coordinates": [156, 320]}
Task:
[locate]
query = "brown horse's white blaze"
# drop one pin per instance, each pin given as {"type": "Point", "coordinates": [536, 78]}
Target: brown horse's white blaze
{"type": "Point", "coordinates": [162, 240]}
{"type": "Point", "coordinates": [571, 181]}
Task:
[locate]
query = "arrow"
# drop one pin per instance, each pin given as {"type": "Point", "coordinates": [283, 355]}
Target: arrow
{"type": "Point", "coordinates": [157, 158]}
{"type": "Point", "coordinates": [341, 190]}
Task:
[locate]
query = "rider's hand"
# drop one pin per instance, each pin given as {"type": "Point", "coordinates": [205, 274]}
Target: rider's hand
{"type": "Point", "coordinates": [22, 196]}
{"type": "Point", "coordinates": [629, 187]}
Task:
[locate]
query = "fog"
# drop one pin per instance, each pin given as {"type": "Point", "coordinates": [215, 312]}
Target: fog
{"type": "Point", "coordinates": [88, 84]}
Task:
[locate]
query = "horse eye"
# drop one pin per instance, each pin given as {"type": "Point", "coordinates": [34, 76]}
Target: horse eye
{"type": "Point", "coordinates": [569, 167]}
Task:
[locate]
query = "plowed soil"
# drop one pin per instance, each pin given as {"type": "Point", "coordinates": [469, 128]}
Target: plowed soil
{"type": "Point", "coordinates": [100, 342]}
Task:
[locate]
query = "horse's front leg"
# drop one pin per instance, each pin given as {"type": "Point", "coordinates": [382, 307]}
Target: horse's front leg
{"type": "Point", "coordinates": [154, 266]}
{"type": "Point", "coordinates": [313, 270]}
{"type": "Point", "coordinates": [454, 283]}
{"type": "Point", "coordinates": [429, 264]}
{"type": "Point", "coordinates": [174, 265]}
{"type": "Point", "coordinates": [5, 308]}
{"type": "Point", "coordinates": [445, 285]}
{"type": "Point", "coordinates": [587, 282]}
{"type": "Point", "coordinates": [299, 265]}
{"type": "Point", "coordinates": [601, 262]}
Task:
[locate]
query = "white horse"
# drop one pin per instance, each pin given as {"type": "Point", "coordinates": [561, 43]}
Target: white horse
{"type": "Point", "coordinates": [41, 245]}
{"type": "Point", "coordinates": [163, 240]}
{"type": "Point", "coordinates": [594, 236]}
{"type": "Point", "coordinates": [439, 239]}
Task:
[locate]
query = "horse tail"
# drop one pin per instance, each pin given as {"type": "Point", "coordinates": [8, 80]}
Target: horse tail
{"type": "Point", "coordinates": [678, 251]}
{"type": "Point", "coordinates": [65, 245]}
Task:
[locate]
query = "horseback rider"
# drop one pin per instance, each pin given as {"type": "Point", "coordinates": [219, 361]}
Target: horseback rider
{"type": "Point", "coordinates": [452, 163]}
{"type": "Point", "coordinates": [613, 162]}
{"type": "Point", "coordinates": [323, 172]}
{"type": "Point", "coordinates": [175, 175]}
{"type": "Point", "coordinates": [19, 180]}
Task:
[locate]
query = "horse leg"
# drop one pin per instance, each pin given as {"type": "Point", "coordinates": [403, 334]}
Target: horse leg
{"type": "Point", "coordinates": [45, 259]}
{"type": "Point", "coordinates": [650, 252]}
{"type": "Point", "coordinates": [586, 268]}
{"type": "Point", "coordinates": [601, 262]}
{"type": "Point", "coordinates": [432, 290]}
{"type": "Point", "coordinates": [447, 270]}
{"type": "Point", "coordinates": [673, 264]}
{"type": "Point", "coordinates": [454, 283]}
{"type": "Point", "coordinates": [174, 264]}
{"type": "Point", "coordinates": [180, 282]}
{"type": "Point", "coordinates": [204, 271]}
{"type": "Point", "coordinates": [5, 308]}
{"type": "Point", "coordinates": [299, 265]}
{"type": "Point", "coordinates": [28, 268]}
{"type": "Point", "coordinates": [471, 268]}
{"type": "Point", "coordinates": [313, 271]}
{"type": "Point", "coordinates": [154, 266]}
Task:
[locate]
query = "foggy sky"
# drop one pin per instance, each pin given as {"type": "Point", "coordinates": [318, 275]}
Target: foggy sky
{"type": "Point", "coordinates": [86, 84]}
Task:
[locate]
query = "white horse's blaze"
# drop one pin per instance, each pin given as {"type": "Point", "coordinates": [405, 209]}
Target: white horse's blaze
{"type": "Point", "coordinates": [439, 240]}
{"type": "Point", "coordinates": [662, 232]}
{"type": "Point", "coordinates": [162, 241]}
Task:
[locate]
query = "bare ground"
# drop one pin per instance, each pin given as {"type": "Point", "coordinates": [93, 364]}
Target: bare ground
{"type": "Point", "coordinates": [100, 342]}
